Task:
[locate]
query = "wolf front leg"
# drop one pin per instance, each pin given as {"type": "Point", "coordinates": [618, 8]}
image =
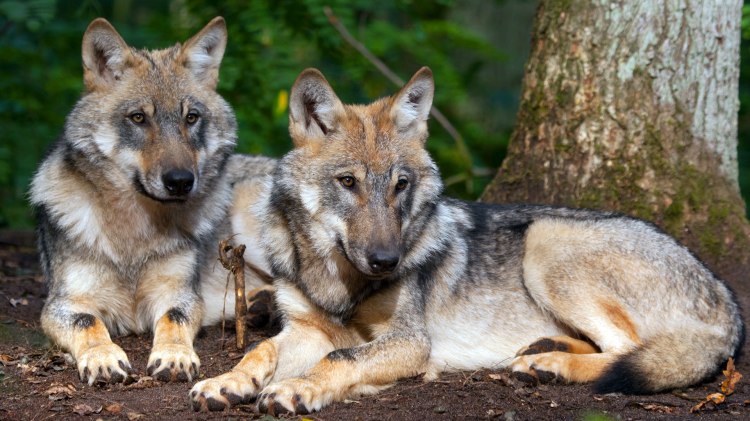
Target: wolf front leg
{"type": "Point", "coordinates": [295, 349]}
{"type": "Point", "coordinates": [400, 349]}
{"type": "Point", "coordinates": [172, 356]}
{"type": "Point", "coordinates": [69, 322]}
{"type": "Point", "coordinates": [364, 369]}
{"type": "Point", "coordinates": [168, 303]}
{"type": "Point", "coordinates": [307, 336]}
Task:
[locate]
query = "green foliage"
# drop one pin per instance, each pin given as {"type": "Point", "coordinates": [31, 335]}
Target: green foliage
{"type": "Point", "coordinates": [597, 416]}
{"type": "Point", "coordinates": [743, 129]}
{"type": "Point", "coordinates": [270, 43]}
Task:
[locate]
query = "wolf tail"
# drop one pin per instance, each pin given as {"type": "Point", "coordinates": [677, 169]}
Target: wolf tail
{"type": "Point", "coordinates": [672, 360]}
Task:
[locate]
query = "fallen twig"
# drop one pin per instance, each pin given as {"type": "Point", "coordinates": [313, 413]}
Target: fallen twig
{"type": "Point", "coordinates": [232, 258]}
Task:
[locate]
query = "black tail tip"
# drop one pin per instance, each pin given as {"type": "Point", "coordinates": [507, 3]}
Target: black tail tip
{"type": "Point", "coordinates": [622, 377]}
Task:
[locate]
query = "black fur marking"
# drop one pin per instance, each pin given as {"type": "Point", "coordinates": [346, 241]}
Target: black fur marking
{"type": "Point", "coordinates": [525, 377]}
{"type": "Point", "coordinates": [46, 231]}
{"type": "Point", "coordinates": [83, 320]}
{"type": "Point", "coordinates": [215, 405]}
{"type": "Point", "coordinates": [622, 376]}
{"type": "Point", "coordinates": [252, 345]}
{"type": "Point", "coordinates": [178, 316]}
{"type": "Point", "coordinates": [344, 354]}
{"type": "Point", "coordinates": [546, 345]}
{"type": "Point", "coordinates": [231, 397]}
{"type": "Point", "coordinates": [545, 376]}
{"type": "Point", "coordinates": [426, 271]}
{"type": "Point", "coordinates": [299, 407]}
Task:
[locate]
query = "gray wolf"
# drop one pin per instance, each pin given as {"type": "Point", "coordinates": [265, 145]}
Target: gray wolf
{"type": "Point", "coordinates": [132, 200]}
{"type": "Point", "coordinates": [379, 277]}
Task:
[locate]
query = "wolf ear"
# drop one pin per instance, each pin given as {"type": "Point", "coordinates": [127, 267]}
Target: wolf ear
{"type": "Point", "coordinates": [203, 52]}
{"type": "Point", "coordinates": [105, 55]}
{"type": "Point", "coordinates": [313, 107]}
{"type": "Point", "coordinates": [411, 105]}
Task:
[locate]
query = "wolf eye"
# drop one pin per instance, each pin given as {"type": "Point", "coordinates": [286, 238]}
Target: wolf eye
{"type": "Point", "coordinates": [401, 183]}
{"type": "Point", "coordinates": [137, 118]}
{"type": "Point", "coordinates": [347, 181]}
{"type": "Point", "coordinates": [191, 118]}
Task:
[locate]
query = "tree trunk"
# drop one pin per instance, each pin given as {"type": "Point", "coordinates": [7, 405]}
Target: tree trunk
{"type": "Point", "coordinates": [632, 106]}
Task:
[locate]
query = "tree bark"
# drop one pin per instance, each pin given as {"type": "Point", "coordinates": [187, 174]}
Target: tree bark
{"type": "Point", "coordinates": [632, 106]}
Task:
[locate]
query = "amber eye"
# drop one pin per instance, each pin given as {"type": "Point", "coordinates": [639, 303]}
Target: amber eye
{"type": "Point", "coordinates": [347, 181]}
{"type": "Point", "coordinates": [137, 118]}
{"type": "Point", "coordinates": [401, 184]}
{"type": "Point", "coordinates": [191, 118]}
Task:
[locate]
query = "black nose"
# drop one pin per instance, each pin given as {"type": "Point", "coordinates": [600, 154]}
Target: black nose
{"type": "Point", "coordinates": [382, 261]}
{"type": "Point", "coordinates": [178, 182]}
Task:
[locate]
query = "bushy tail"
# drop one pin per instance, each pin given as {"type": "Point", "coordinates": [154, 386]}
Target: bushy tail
{"type": "Point", "coordinates": [671, 361]}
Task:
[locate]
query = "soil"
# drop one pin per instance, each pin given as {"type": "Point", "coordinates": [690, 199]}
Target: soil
{"type": "Point", "coordinates": [38, 381]}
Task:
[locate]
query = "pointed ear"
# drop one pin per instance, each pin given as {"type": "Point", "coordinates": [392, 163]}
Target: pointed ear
{"type": "Point", "coordinates": [203, 52]}
{"type": "Point", "coordinates": [313, 107]}
{"type": "Point", "coordinates": [411, 105]}
{"type": "Point", "coordinates": [105, 55]}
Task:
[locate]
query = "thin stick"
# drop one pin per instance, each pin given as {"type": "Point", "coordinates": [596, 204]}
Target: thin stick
{"type": "Point", "coordinates": [388, 73]}
{"type": "Point", "coordinates": [232, 258]}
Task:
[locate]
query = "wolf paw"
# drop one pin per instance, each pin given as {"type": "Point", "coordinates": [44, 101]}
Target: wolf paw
{"type": "Point", "coordinates": [261, 308]}
{"type": "Point", "coordinates": [222, 392]}
{"type": "Point", "coordinates": [535, 368]}
{"type": "Point", "coordinates": [103, 364]}
{"type": "Point", "coordinates": [173, 362]}
{"type": "Point", "coordinates": [299, 396]}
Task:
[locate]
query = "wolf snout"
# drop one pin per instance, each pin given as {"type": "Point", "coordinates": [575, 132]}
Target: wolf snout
{"type": "Point", "coordinates": [383, 261]}
{"type": "Point", "coordinates": [178, 182]}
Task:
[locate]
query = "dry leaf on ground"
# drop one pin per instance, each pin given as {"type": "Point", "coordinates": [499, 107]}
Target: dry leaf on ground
{"type": "Point", "coordinates": [715, 398]}
{"type": "Point", "coordinates": [84, 409]}
{"type": "Point", "coordinates": [114, 408]}
{"type": "Point", "coordinates": [59, 391]}
{"type": "Point", "coordinates": [732, 378]}
{"type": "Point", "coordinates": [656, 407]}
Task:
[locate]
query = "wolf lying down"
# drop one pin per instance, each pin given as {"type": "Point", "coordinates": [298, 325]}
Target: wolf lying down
{"type": "Point", "coordinates": [379, 277]}
{"type": "Point", "coordinates": [133, 199]}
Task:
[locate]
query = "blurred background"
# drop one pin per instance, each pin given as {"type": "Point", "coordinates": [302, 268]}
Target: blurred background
{"type": "Point", "coordinates": [476, 48]}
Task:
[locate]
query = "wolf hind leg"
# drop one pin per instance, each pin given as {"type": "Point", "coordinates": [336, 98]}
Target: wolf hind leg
{"type": "Point", "coordinates": [568, 367]}
{"type": "Point", "coordinates": [554, 358]}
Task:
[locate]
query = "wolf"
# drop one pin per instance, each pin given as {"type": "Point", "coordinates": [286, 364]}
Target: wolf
{"type": "Point", "coordinates": [133, 199]}
{"type": "Point", "coordinates": [380, 277]}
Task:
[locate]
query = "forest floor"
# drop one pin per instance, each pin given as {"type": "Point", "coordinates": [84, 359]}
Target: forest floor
{"type": "Point", "coordinates": [39, 382]}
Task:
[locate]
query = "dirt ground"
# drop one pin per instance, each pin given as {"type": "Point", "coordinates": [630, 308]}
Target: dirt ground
{"type": "Point", "coordinates": [39, 382]}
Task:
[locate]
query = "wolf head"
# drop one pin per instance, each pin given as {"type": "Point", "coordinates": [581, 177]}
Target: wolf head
{"type": "Point", "coordinates": [153, 117]}
{"type": "Point", "coordinates": [361, 173]}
